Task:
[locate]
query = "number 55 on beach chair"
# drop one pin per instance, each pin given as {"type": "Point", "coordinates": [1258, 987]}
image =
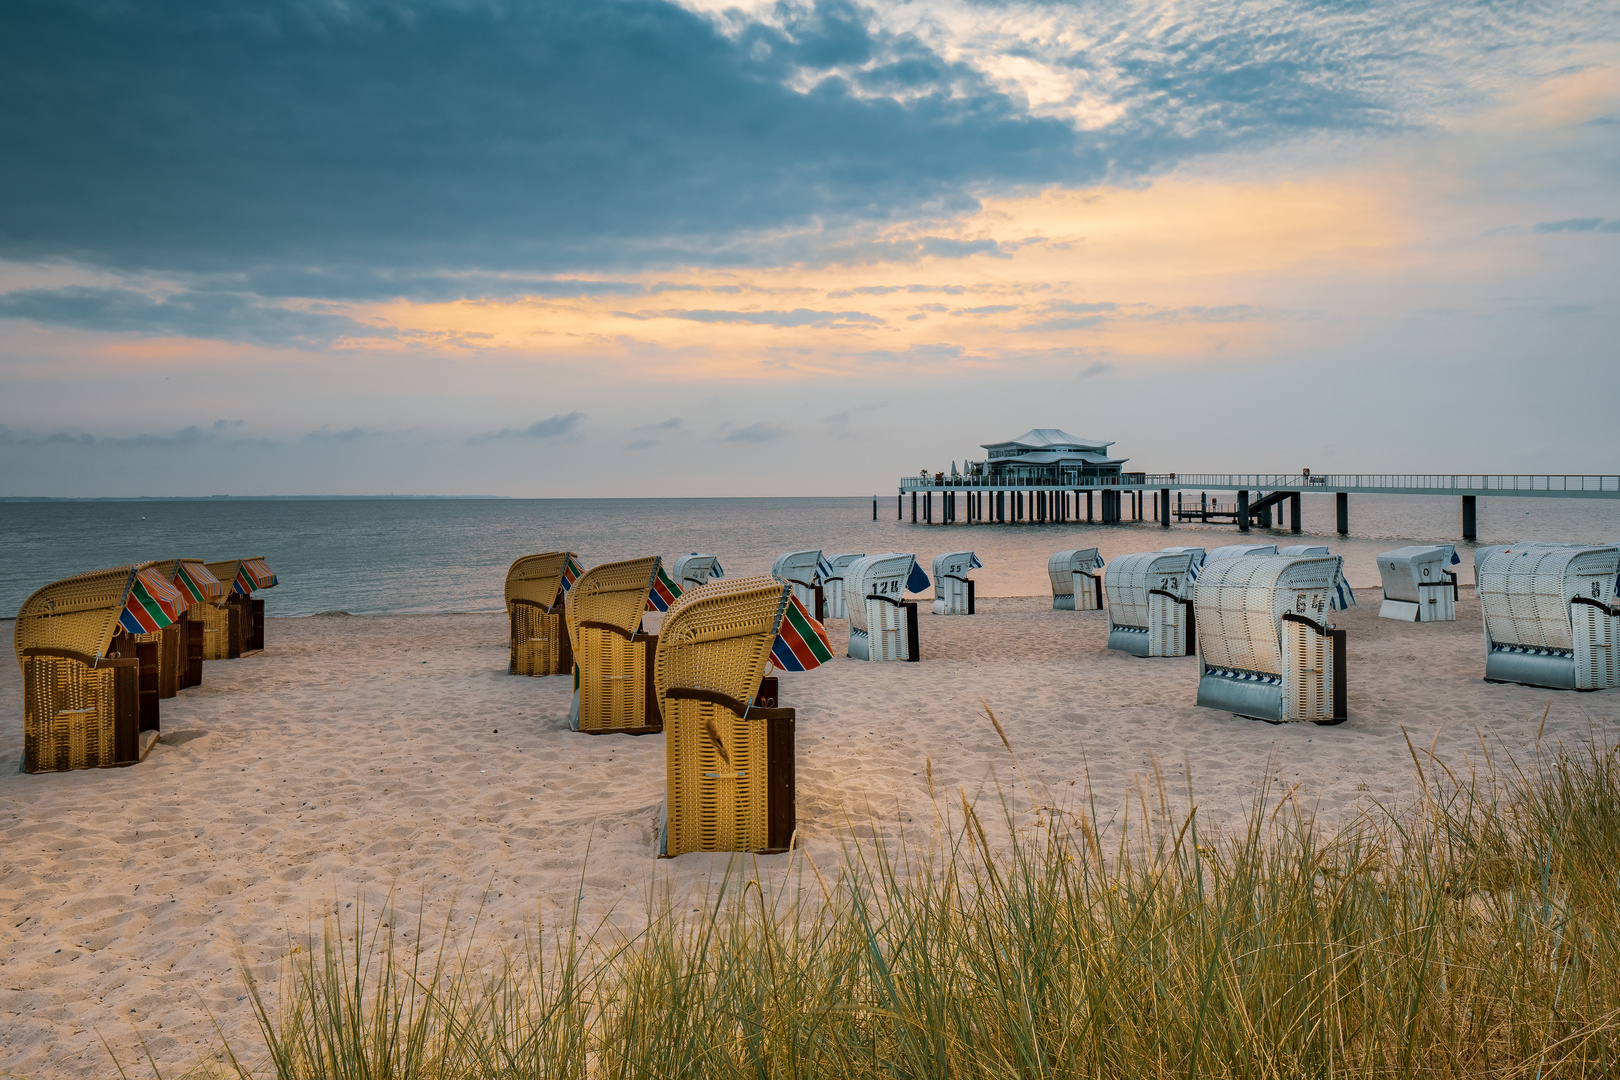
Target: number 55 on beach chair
{"type": "Point", "coordinates": [535, 586]}
{"type": "Point", "coordinates": [90, 689]}
{"type": "Point", "coordinates": [729, 748]}
{"type": "Point", "coordinates": [613, 690]}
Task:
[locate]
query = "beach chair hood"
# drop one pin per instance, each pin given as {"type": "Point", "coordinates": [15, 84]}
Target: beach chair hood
{"type": "Point", "coordinates": [538, 580]}
{"type": "Point", "coordinates": [80, 616]}
{"type": "Point", "coordinates": [690, 571]}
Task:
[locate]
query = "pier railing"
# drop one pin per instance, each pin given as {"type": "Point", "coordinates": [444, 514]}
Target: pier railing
{"type": "Point", "coordinates": [1568, 485]}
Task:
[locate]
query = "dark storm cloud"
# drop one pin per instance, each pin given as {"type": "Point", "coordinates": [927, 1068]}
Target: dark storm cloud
{"type": "Point", "coordinates": [230, 137]}
{"type": "Point", "coordinates": [224, 316]}
{"type": "Point", "coordinates": [364, 149]}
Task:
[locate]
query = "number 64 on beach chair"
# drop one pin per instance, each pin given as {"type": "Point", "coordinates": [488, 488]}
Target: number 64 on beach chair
{"type": "Point", "coordinates": [729, 756]}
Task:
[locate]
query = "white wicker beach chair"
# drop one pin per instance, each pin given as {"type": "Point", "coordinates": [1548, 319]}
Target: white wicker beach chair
{"type": "Point", "coordinates": [953, 589]}
{"type": "Point", "coordinates": [1343, 596]}
{"type": "Point", "coordinates": [1550, 615]}
{"type": "Point", "coordinates": [798, 569]}
{"type": "Point", "coordinates": [1150, 603]}
{"type": "Point", "coordinates": [882, 622]}
{"type": "Point", "coordinates": [1419, 585]}
{"type": "Point", "coordinates": [1076, 586]}
{"type": "Point", "coordinates": [691, 571]}
{"type": "Point", "coordinates": [1265, 649]}
{"type": "Point", "coordinates": [831, 575]}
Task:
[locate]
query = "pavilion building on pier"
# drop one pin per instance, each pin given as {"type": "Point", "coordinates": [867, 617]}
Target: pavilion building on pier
{"type": "Point", "coordinates": [1046, 457]}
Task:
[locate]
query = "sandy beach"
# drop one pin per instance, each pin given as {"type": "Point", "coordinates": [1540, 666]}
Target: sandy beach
{"type": "Point", "coordinates": [359, 757]}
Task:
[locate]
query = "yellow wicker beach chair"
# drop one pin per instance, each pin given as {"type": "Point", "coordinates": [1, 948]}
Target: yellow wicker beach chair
{"type": "Point", "coordinates": [90, 688]}
{"type": "Point", "coordinates": [728, 750]}
{"type": "Point", "coordinates": [245, 629]}
{"type": "Point", "coordinates": [613, 659]}
{"type": "Point", "coordinates": [534, 603]}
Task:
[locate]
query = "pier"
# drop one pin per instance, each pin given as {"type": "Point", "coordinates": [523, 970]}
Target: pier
{"type": "Point", "coordinates": [1260, 497]}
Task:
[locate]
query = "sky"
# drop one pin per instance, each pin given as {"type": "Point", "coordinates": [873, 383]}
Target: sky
{"type": "Point", "coordinates": [643, 248]}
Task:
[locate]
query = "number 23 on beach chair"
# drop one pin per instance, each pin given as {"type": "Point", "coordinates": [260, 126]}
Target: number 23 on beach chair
{"type": "Point", "coordinates": [729, 754]}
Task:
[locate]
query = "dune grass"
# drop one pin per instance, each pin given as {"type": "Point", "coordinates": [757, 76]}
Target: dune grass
{"type": "Point", "coordinates": [1476, 934]}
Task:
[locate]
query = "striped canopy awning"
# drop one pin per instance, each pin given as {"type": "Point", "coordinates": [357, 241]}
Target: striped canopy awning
{"type": "Point", "coordinates": [197, 583]}
{"type": "Point", "coordinates": [252, 575]}
{"type": "Point", "coordinates": [151, 604]}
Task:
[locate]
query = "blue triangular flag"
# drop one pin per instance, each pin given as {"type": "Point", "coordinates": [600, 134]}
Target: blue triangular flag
{"type": "Point", "coordinates": [918, 581]}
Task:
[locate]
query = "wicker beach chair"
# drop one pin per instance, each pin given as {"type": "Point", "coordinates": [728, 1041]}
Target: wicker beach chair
{"type": "Point", "coordinates": [1419, 585]}
{"type": "Point", "coordinates": [798, 569]}
{"type": "Point", "coordinates": [534, 605]}
{"type": "Point", "coordinates": [1265, 648]}
{"type": "Point", "coordinates": [613, 659]}
{"type": "Point", "coordinates": [180, 661]}
{"type": "Point", "coordinates": [1150, 606]}
{"type": "Point", "coordinates": [953, 589]}
{"type": "Point", "coordinates": [1550, 615]}
{"type": "Point", "coordinates": [242, 578]}
{"type": "Point", "coordinates": [691, 571]}
{"type": "Point", "coordinates": [728, 753]}
{"type": "Point", "coordinates": [882, 622]}
{"type": "Point", "coordinates": [830, 575]}
{"type": "Point", "coordinates": [90, 689]}
{"type": "Point", "coordinates": [1076, 586]}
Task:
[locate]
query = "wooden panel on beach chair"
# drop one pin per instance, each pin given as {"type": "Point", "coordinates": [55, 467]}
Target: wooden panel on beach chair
{"type": "Point", "coordinates": [728, 754]}
{"type": "Point", "coordinates": [192, 641]}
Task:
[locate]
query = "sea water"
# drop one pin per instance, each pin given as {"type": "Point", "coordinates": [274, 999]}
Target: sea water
{"type": "Point", "coordinates": [369, 556]}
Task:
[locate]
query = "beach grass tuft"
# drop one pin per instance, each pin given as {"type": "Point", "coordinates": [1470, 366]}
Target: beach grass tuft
{"type": "Point", "coordinates": [1473, 934]}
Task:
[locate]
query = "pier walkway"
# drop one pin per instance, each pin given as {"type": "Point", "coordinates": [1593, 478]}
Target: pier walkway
{"type": "Point", "coordinates": [973, 500]}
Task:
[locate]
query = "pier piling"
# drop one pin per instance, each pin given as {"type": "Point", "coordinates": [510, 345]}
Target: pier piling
{"type": "Point", "coordinates": [1343, 500]}
{"type": "Point", "coordinates": [1470, 526]}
